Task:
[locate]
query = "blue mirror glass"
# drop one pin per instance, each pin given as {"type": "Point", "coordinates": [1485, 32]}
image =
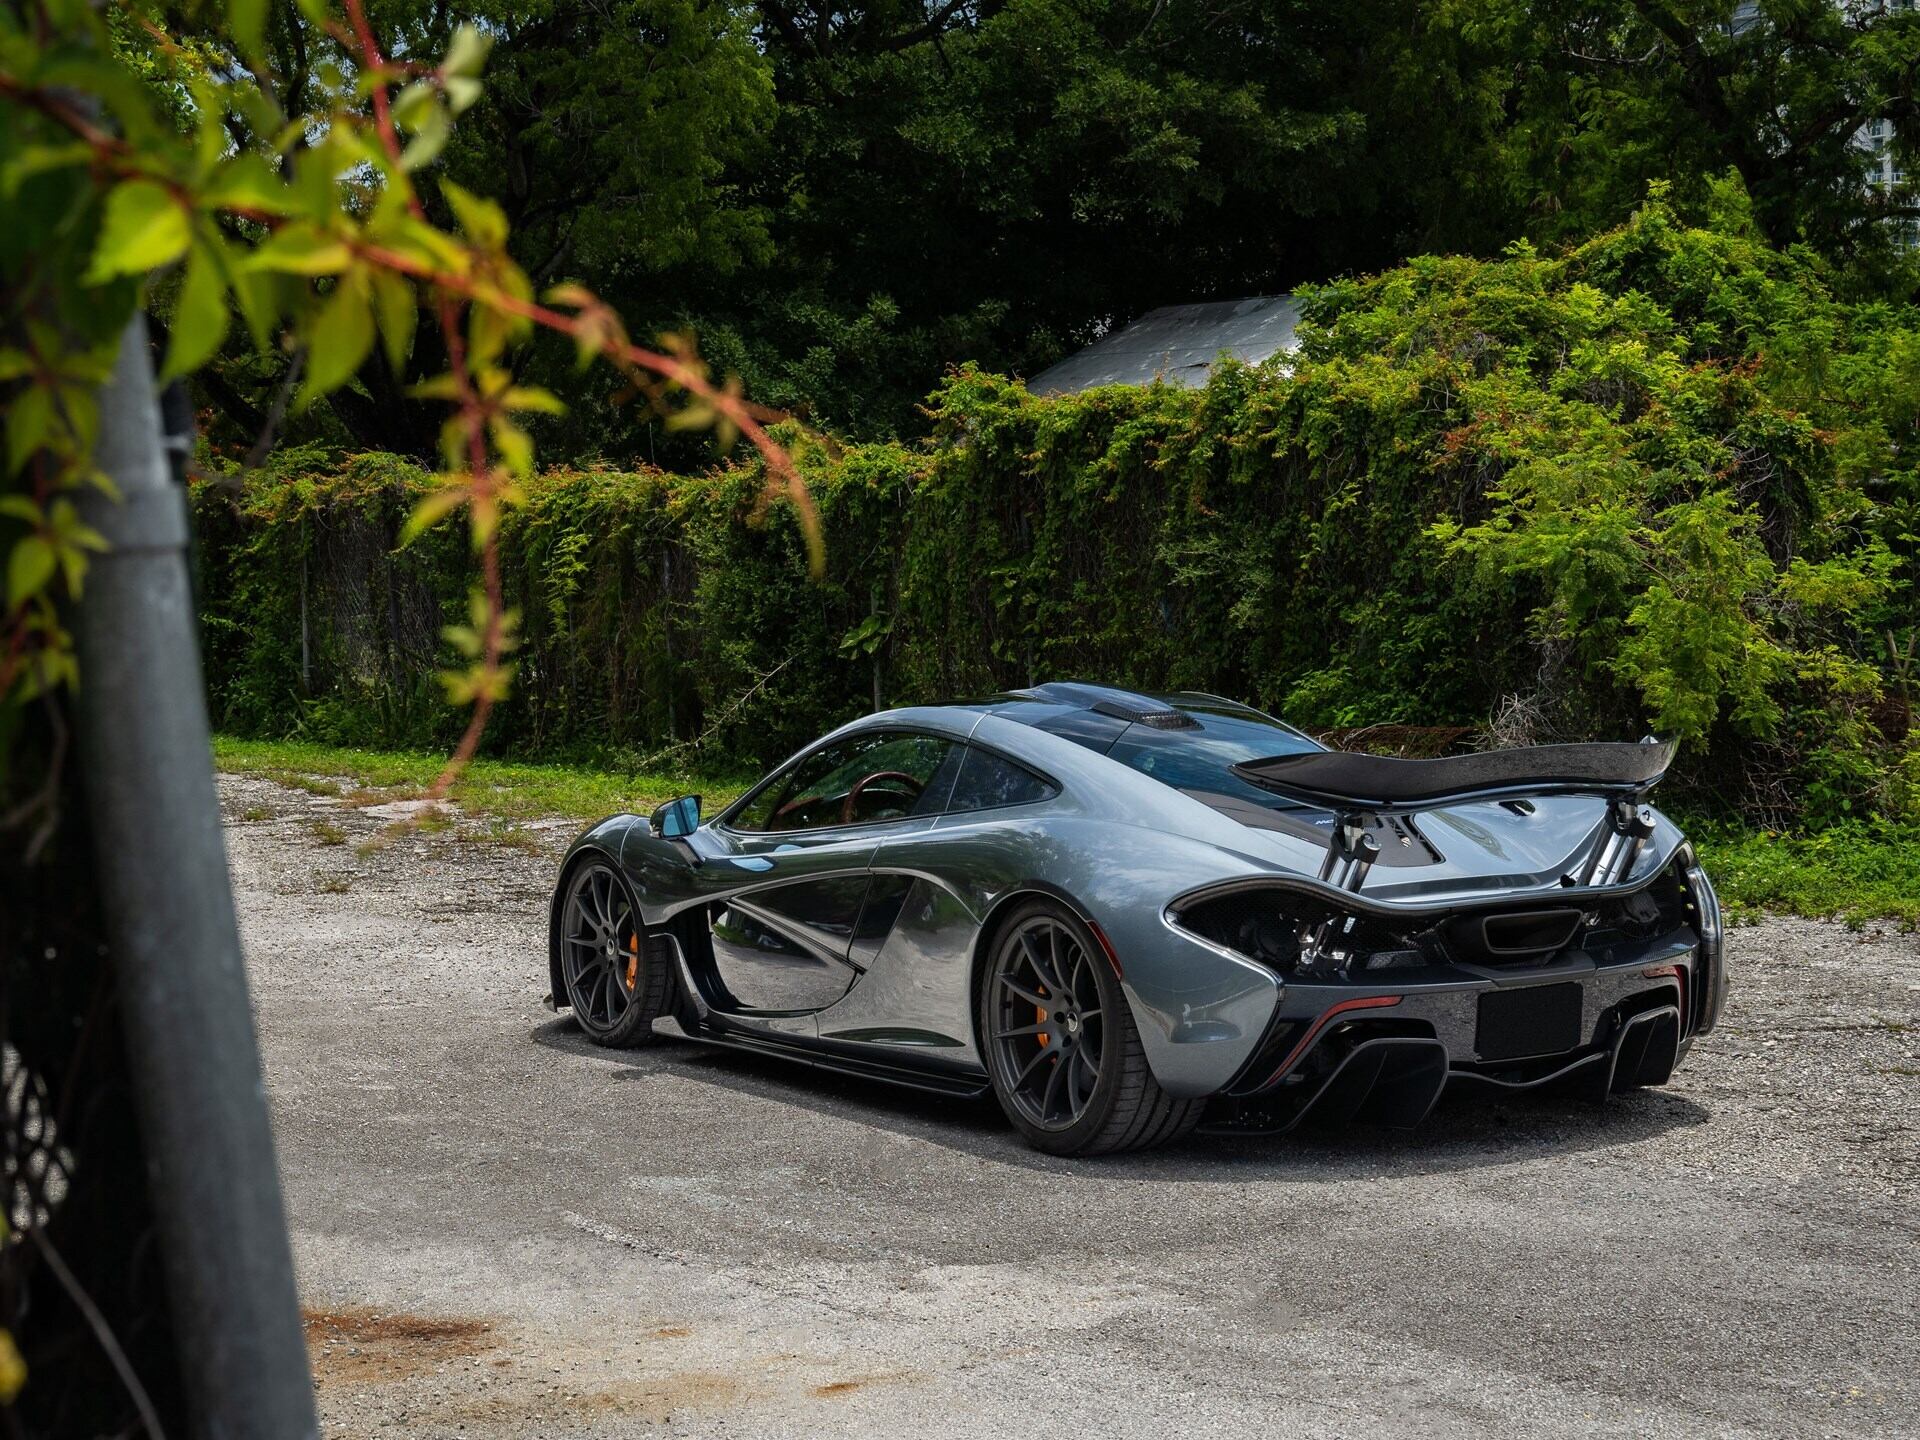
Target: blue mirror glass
{"type": "Point", "coordinates": [677, 819]}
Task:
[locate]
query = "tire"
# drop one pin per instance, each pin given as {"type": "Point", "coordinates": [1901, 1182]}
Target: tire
{"type": "Point", "coordinates": [1072, 1078]}
{"type": "Point", "coordinates": [618, 979]}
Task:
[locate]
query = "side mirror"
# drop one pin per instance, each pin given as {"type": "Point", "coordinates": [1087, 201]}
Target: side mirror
{"type": "Point", "coordinates": [677, 819]}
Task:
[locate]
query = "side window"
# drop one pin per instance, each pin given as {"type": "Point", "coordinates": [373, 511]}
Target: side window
{"type": "Point", "coordinates": [986, 782]}
{"type": "Point", "coordinates": [876, 776]}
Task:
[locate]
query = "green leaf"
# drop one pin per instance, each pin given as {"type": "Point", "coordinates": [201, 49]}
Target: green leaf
{"type": "Point", "coordinates": [467, 53]}
{"type": "Point", "coordinates": [462, 91]}
{"type": "Point", "coordinates": [29, 425]}
{"type": "Point", "coordinates": [532, 397]}
{"type": "Point", "coordinates": [338, 341]}
{"type": "Point", "coordinates": [248, 182]}
{"type": "Point", "coordinates": [437, 387]}
{"type": "Point", "coordinates": [300, 250]}
{"type": "Point", "coordinates": [145, 227]}
{"type": "Point", "coordinates": [38, 159]}
{"type": "Point", "coordinates": [28, 569]}
{"type": "Point", "coordinates": [256, 294]}
{"type": "Point", "coordinates": [411, 105]}
{"type": "Point", "coordinates": [481, 221]}
{"type": "Point", "coordinates": [430, 137]}
{"type": "Point", "coordinates": [397, 309]}
{"type": "Point", "coordinates": [200, 317]}
{"type": "Point", "coordinates": [248, 20]}
{"type": "Point", "coordinates": [432, 508]}
{"type": "Point", "coordinates": [514, 444]}
{"type": "Point", "coordinates": [315, 11]}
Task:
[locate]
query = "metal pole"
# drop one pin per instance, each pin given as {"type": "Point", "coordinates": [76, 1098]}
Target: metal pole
{"type": "Point", "coordinates": [147, 771]}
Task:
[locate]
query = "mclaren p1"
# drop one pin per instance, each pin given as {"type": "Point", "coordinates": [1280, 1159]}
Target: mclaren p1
{"type": "Point", "coordinates": [1127, 915]}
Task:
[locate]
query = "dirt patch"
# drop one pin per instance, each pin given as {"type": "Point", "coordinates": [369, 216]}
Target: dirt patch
{"type": "Point", "coordinates": [532, 1403]}
{"type": "Point", "coordinates": [363, 1346]}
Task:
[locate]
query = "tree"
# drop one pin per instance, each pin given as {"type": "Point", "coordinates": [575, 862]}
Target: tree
{"type": "Point", "coordinates": [127, 152]}
{"type": "Point", "coordinates": [1611, 94]}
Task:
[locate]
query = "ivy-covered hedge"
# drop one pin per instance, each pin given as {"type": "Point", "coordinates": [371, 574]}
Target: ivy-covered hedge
{"type": "Point", "coordinates": [1663, 482]}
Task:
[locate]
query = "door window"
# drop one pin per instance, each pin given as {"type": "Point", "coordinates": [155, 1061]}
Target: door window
{"type": "Point", "coordinates": [885, 775]}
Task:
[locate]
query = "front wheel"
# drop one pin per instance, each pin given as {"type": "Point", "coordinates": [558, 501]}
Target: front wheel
{"type": "Point", "coordinates": [617, 984]}
{"type": "Point", "coordinates": [1062, 1049]}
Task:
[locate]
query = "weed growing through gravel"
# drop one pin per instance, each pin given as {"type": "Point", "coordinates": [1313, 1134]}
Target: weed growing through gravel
{"type": "Point", "coordinates": [253, 814]}
{"type": "Point", "coordinates": [326, 832]}
{"type": "Point", "coordinates": [509, 833]}
{"type": "Point", "coordinates": [335, 885]}
{"type": "Point", "coordinates": [294, 780]}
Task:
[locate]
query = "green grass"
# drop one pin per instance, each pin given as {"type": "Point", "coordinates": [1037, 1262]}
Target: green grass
{"type": "Point", "coordinates": [1856, 872]}
{"type": "Point", "coordinates": [507, 790]}
{"type": "Point", "coordinates": [1859, 873]}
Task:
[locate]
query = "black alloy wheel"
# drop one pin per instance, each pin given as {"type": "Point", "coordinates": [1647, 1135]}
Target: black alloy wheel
{"type": "Point", "coordinates": [618, 981]}
{"type": "Point", "coordinates": [1061, 1045]}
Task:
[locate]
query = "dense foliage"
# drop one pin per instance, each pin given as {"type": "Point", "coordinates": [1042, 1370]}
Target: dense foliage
{"type": "Point", "coordinates": [267, 166]}
{"type": "Point", "coordinates": [1663, 482]}
{"type": "Point", "coordinates": [843, 199]}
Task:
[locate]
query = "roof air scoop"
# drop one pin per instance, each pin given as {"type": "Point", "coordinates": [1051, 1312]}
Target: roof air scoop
{"type": "Point", "coordinates": [1162, 719]}
{"type": "Point", "coordinates": [1114, 703]}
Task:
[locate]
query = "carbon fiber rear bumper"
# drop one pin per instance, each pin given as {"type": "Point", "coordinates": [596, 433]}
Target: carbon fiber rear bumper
{"type": "Point", "coordinates": [1380, 1055]}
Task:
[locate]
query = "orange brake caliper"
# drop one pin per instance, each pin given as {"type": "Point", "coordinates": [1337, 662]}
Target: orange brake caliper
{"type": "Point", "coordinates": [633, 962]}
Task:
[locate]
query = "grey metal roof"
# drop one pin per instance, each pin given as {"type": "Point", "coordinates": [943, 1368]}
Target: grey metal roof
{"type": "Point", "coordinates": [1177, 344]}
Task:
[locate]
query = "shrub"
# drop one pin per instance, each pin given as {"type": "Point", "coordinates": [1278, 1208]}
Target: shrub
{"type": "Point", "coordinates": [1664, 481]}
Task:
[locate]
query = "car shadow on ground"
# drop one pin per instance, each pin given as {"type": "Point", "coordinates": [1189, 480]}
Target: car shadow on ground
{"type": "Point", "coordinates": [1471, 1128]}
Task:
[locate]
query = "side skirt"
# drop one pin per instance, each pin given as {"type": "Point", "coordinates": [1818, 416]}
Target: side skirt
{"type": "Point", "coordinates": [933, 1082]}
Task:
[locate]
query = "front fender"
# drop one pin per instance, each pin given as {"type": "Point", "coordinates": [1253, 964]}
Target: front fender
{"type": "Point", "coordinates": [608, 839]}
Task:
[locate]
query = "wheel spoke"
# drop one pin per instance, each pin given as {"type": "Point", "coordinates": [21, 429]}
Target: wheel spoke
{"type": "Point", "coordinates": [1055, 969]}
{"type": "Point", "coordinates": [1036, 1029]}
{"type": "Point", "coordinates": [1037, 962]}
{"type": "Point", "coordinates": [1053, 1083]}
{"type": "Point", "coordinates": [1022, 991]}
{"type": "Point", "coordinates": [1029, 1067]}
{"type": "Point", "coordinates": [1077, 1094]}
{"type": "Point", "coordinates": [1085, 1056]}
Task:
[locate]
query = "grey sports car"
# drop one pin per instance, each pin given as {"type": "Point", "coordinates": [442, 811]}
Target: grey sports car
{"type": "Point", "coordinates": [1126, 914]}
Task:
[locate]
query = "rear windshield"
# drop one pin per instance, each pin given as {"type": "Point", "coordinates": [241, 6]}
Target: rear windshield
{"type": "Point", "coordinates": [1199, 758]}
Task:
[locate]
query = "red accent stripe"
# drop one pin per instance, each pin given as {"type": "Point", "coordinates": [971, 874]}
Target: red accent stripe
{"type": "Point", "coordinates": [1364, 1002]}
{"type": "Point", "coordinates": [1107, 946]}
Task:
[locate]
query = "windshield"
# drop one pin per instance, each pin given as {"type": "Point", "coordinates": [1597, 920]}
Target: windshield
{"type": "Point", "coordinates": [1200, 757]}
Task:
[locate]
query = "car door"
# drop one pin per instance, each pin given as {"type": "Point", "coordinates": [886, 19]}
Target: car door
{"type": "Point", "coordinates": [783, 946]}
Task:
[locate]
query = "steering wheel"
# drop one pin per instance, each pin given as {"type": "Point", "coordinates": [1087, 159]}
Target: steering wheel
{"type": "Point", "coordinates": [848, 805]}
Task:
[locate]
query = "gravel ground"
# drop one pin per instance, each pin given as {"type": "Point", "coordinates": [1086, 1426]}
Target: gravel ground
{"type": "Point", "coordinates": [503, 1231]}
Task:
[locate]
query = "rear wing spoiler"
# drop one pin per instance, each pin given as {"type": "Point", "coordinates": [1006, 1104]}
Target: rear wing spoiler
{"type": "Point", "coordinates": [1356, 786]}
{"type": "Point", "coordinates": [1340, 778]}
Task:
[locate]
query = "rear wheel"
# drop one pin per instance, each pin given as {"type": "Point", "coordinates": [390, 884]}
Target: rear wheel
{"type": "Point", "coordinates": [617, 983]}
{"type": "Point", "coordinates": [1062, 1049]}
